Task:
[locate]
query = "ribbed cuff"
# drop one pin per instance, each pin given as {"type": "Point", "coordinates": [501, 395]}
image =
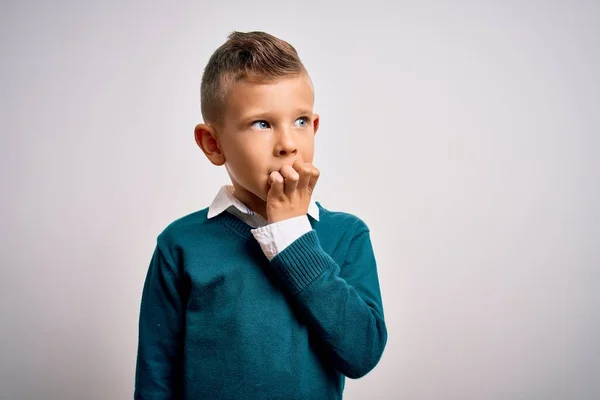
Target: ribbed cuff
{"type": "Point", "coordinates": [301, 262]}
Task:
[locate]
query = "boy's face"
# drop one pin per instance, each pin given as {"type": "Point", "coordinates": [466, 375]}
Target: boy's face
{"type": "Point", "coordinates": [266, 126]}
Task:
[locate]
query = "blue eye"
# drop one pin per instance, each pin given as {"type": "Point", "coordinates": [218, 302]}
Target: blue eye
{"type": "Point", "coordinates": [260, 124]}
{"type": "Point", "coordinates": [305, 120]}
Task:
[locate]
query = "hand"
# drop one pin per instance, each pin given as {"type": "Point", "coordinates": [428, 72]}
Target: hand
{"type": "Point", "coordinates": [291, 190]}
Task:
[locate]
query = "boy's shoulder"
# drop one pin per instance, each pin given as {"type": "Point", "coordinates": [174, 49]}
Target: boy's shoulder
{"type": "Point", "coordinates": [189, 224]}
{"type": "Point", "coordinates": [341, 219]}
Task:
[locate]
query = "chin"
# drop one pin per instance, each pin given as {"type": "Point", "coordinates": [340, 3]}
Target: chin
{"type": "Point", "coordinates": [259, 191]}
{"type": "Point", "coordinates": [263, 193]}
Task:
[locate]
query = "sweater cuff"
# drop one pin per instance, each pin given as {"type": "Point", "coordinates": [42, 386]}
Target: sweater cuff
{"type": "Point", "coordinates": [302, 262]}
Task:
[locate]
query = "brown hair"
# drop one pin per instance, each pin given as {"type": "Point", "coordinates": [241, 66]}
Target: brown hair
{"type": "Point", "coordinates": [258, 56]}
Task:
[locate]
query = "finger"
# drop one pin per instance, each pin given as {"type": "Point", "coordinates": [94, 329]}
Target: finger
{"type": "Point", "coordinates": [314, 177]}
{"type": "Point", "coordinates": [276, 182]}
{"type": "Point", "coordinates": [291, 178]}
{"type": "Point", "coordinates": [303, 170]}
{"type": "Point", "coordinates": [298, 166]}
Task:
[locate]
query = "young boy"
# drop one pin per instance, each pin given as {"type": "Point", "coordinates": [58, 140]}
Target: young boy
{"type": "Point", "coordinates": [266, 294]}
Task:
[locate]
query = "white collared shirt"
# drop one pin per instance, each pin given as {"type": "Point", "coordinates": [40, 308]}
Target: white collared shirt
{"type": "Point", "coordinates": [273, 238]}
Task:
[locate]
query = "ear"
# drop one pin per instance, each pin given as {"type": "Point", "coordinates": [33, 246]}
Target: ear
{"type": "Point", "coordinates": [206, 139]}
{"type": "Point", "coordinates": [316, 119]}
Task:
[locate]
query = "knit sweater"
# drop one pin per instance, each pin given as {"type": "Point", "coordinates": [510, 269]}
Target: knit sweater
{"type": "Point", "coordinates": [218, 320]}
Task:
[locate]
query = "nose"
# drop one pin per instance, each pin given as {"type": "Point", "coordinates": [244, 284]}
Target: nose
{"type": "Point", "coordinates": [285, 144]}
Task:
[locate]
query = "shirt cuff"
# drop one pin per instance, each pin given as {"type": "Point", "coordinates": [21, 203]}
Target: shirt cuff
{"type": "Point", "coordinates": [274, 238]}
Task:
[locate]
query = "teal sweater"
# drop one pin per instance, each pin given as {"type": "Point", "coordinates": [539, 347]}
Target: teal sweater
{"type": "Point", "coordinates": [218, 320]}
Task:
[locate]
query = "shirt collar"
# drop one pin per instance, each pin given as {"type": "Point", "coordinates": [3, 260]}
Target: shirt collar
{"type": "Point", "coordinates": [226, 201]}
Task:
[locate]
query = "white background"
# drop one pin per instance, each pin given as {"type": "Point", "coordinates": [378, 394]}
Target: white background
{"type": "Point", "coordinates": [466, 135]}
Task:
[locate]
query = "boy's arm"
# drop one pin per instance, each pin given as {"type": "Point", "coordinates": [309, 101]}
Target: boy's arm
{"type": "Point", "coordinates": [341, 304]}
{"type": "Point", "coordinates": [159, 361]}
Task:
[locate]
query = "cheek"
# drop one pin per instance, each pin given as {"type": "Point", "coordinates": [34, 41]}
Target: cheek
{"type": "Point", "coordinates": [248, 160]}
{"type": "Point", "coordinates": [250, 165]}
{"type": "Point", "coordinates": [308, 154]}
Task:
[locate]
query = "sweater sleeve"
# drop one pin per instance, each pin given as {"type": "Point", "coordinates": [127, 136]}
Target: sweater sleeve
{"type": "Point", "coordinates": [159, 362]}
{"type": "Point", "coordinates": [341, 304]}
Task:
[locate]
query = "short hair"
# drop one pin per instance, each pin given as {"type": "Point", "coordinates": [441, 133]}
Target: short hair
{"type": "Point", "coordinates": [257, 56]}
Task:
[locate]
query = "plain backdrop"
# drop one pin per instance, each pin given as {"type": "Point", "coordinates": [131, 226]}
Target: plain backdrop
{"type": "Point", "coordinates": [465, 134]}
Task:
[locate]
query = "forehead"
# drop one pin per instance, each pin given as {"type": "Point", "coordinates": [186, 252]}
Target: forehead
{"type": "Point", "coordinates": [280, 96]}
